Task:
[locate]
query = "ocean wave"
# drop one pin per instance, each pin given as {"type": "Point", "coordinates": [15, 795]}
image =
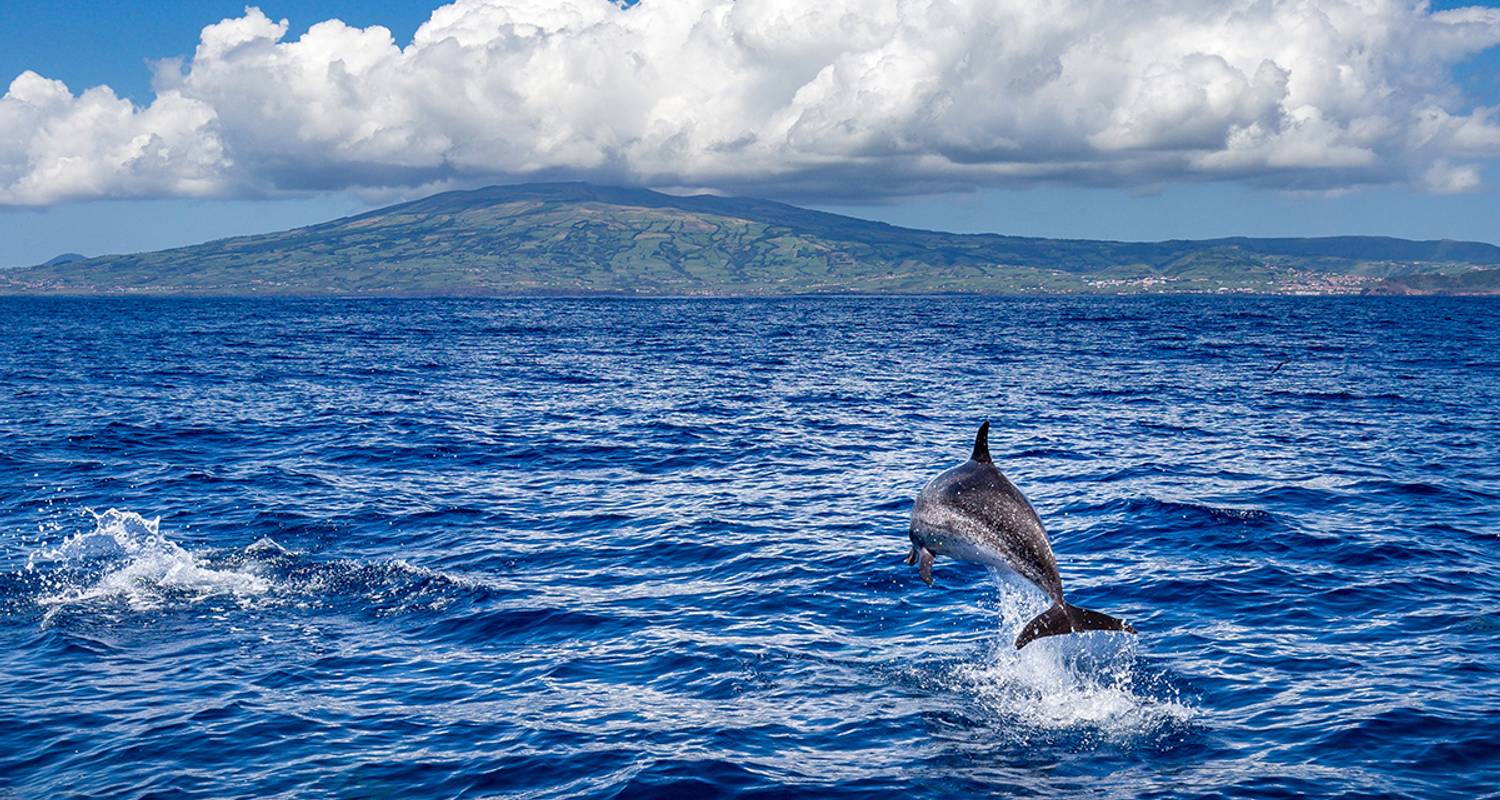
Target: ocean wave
{"type": "Point", "coordinates": [472, 575]}
{"type": "Point", "coordinates": [126, 559]}
{"type": "Point", "coordinates": [126, 562]}
{"type": "Point", "coordinates": [1176, 511]}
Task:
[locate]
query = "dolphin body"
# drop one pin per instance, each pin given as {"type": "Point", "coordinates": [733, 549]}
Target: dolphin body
{"type": "Point", "coordinates": [972, 513]}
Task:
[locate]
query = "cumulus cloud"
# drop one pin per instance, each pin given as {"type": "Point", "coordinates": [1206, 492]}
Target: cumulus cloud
{"type": "Point", "coordinates": [840, 98]}
{"type": "Point", "coordinates": [54, 145]}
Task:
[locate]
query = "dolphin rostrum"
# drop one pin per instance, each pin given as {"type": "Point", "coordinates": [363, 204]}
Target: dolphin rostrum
{"type": "Point", "coordinates": [972, 513]}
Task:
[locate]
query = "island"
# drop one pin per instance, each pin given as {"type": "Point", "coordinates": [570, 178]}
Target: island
{"type": "Point", "coordinates": [582, 239]}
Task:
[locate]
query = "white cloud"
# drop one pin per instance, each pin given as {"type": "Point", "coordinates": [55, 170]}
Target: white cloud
{"type": "Point", "coordinates": [834, 98]}
{"type": "Point", "coordinates": [1445, 178]}
{"type": "Point", "coordinates": [54, 145]}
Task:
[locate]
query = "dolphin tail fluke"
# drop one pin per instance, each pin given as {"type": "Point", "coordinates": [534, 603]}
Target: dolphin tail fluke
{"type": "Point", "coordinates": [1063, 618]}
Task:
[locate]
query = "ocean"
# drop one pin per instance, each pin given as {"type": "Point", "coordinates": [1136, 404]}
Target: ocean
{"type": "Point", "coordinates": [552, 548]}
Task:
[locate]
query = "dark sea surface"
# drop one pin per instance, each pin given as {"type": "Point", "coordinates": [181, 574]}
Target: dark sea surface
{"type": "Point", "coordinates": [577, 548]}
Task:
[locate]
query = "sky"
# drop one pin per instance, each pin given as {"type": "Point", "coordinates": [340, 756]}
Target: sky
{"type": "Point", "coordinates": [132, 126]}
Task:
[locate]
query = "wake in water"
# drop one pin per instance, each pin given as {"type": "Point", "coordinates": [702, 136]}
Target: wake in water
{"type": "Point", "coordinates": [1092, 683]}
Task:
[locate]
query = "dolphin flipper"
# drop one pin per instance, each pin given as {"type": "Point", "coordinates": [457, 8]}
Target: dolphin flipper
{"type": "Point", "coordinates": [1063, 618]}
{"type": "Point", "coordinates": [924, 565]}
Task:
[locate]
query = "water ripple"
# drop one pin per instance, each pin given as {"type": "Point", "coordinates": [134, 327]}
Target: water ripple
{"type": "Point", "coordinates": [580, 548]}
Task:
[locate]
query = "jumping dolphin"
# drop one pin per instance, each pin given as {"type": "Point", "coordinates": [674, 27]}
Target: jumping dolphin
{"type": "Point", "coordinates": [972, 513]}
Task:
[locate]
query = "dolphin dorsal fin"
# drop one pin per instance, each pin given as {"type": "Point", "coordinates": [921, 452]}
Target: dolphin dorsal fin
{"type": "Point", "coordinates": [982, 445]}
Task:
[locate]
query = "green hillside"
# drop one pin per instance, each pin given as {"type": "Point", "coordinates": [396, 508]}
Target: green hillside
{"type": "Point", "coordinates": [580, 239]}
{"type": "Point", "coordinates": [1486, 282]}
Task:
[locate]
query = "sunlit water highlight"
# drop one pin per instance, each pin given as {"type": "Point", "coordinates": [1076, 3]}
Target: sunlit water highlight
{"type": "Point", "coordinates": [564, 548]}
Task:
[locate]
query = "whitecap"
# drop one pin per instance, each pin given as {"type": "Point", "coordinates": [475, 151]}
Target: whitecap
{"type": "Point", "coordinates": [126, 558]}
{"type": "Point", "coordinates": [266, 546]}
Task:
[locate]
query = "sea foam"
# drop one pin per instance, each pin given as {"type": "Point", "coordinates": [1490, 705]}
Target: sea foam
{"type": "Point", "coordinates": [127, 559]}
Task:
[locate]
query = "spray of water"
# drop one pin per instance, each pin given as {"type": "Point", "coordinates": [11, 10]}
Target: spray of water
{"type": "Point", "coordinates": [1093, 681]}
{"type": "Point", "coordinates": [127, 559]}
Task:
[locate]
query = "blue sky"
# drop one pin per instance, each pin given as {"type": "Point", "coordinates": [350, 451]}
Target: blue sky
{"type": "Point", "coordinates": [1143, 171]}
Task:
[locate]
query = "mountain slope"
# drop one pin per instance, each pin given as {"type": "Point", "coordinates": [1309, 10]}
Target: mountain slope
{"type": "Point", "coordinates": [1480, 282]}
{"type": "Point", "coordinates": [575, 238]}
{"type": "Point", "coordinates": [65, 258]}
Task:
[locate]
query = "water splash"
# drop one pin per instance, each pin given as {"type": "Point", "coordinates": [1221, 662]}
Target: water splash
{"type": "Point", "coordinates": [127, 559]}
{"type": "Point", "coordinates": [1093, 682]}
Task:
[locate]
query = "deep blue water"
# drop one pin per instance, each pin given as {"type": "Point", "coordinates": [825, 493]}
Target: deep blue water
{"type": "Point", "coordinates": [570, 548]}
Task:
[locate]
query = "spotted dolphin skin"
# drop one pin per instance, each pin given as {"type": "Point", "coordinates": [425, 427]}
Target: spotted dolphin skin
{"type": "Point", "coordinates": [972, 513]}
